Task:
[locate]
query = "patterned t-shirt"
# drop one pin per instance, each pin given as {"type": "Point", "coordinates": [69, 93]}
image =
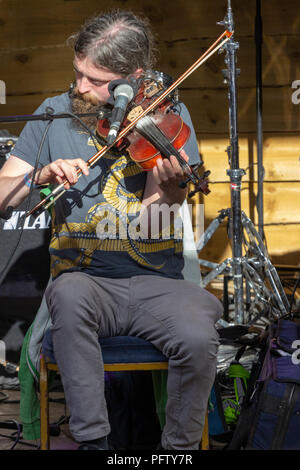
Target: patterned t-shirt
{"type": "Point", "coordinates": [94, 223]}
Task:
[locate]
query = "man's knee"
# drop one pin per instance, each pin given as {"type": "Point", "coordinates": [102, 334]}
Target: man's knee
{"type": "Point", "coordinates": [66, 289]}
{"type": "Point", "coordinates": [67, 298]}
{"type": "Point", "coordinates": [202, 348]}
{"type": "Point", "coordinates": [199, 301]}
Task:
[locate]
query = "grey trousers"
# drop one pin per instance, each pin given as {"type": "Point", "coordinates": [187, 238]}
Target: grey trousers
{"type": "Point", "coordinates": [177, 316]}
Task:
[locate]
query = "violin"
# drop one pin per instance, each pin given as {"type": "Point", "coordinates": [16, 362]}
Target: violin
{"type": "Point", "coordinates": [159, 131]}
{"type": "Point", "coordinates": [159, 134]}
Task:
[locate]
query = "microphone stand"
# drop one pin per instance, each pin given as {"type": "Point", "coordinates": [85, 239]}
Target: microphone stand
{"type": "Point", "coordinates": [259, 130]}
{"type": "Point", "coordinates": [265, 297]}
{"type": "Point", "coordinates": [47, 116]}
{"type": "Point", "coordinates": [235, 173]}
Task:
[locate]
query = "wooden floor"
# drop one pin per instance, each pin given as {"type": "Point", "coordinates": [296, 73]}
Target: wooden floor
{"type": "Point", "coordinates": [9, 413]}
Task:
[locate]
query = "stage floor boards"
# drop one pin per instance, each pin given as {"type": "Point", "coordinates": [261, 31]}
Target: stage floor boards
{"type": "Point", "coordinates": [10, 412]}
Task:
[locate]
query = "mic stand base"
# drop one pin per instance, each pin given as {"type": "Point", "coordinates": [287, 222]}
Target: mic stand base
{"type": "Point", "coordinates": [263, 297]}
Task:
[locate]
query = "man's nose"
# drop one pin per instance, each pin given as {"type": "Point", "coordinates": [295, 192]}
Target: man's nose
{"type": "Point", "coordinates": [83, 85]}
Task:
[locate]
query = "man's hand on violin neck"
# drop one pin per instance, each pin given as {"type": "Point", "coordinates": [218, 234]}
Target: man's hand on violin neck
{"type": "Point", "coordinates": [61, 171]}
{"type": "Point", "coordinates": [168, 174]}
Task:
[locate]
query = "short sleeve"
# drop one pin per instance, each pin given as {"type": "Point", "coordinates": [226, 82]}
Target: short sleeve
{"type": "Point", "coordinates": [30, 139]}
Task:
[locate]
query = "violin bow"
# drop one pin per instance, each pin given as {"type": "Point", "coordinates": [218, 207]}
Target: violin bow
{"type": "Point", "coordinates": [60, 189]}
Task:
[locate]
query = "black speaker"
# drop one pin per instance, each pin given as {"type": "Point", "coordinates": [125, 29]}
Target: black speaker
{"type": "Point", "coordinates": [28, 264]}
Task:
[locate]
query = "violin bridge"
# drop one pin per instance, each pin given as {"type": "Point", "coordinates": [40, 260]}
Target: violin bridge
{"type": "Point", "coordinates": [134, 113]}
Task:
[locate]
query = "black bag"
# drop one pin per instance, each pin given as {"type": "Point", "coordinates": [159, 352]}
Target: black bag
{"type": "Point", "coordinates": [270, 418]}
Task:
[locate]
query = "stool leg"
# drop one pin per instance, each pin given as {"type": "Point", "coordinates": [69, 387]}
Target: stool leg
{"type": "Point", "coordinates": [44, 405]}
{"type": "Point", "coordinates": [205, 434]}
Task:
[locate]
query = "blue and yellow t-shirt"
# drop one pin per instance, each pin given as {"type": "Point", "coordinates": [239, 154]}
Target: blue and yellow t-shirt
{"type": "Point", "coordinates": [93, 224]}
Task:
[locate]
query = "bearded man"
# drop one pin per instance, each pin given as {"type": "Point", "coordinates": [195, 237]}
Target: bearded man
{"type": "Point", "coordinates": [115, 286]}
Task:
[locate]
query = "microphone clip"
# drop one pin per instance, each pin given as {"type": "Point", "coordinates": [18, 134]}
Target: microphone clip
{"type": "Point", "coordinates": [122, 93]}
{"type": "Point", "coordinates": [121, 81]}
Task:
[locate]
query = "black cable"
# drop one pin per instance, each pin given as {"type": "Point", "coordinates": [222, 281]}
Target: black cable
{"type": "Point", "coordinates": [18, 440]}
{"type": "Point", "coordinates": [3, 396]}
{"type": "Point", "coordinates": [11, 402]}
{"type": "Point", "coordinates": [19, 430]}
{"type": "Point", "coordinates": [16, 436]}
{"type": "Point", "coordinates": [92, 134]}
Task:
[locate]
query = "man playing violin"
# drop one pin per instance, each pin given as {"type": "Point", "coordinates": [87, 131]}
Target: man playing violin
{"type": "Point", "coordinates": [115, 284]}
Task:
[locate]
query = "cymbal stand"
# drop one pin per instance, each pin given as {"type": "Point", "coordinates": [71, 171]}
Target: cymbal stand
{"type": "Point", "coordinates": [254, 271]}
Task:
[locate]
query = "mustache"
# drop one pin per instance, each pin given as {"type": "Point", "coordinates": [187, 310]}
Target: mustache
{"type": "Point", "coordinates": [85, 103]}
{"type": "Point", "coordinates": [84, 97]}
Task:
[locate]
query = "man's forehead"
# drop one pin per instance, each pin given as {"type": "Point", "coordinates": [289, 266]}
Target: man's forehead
{"type": "Point", "coordinates": [87, 67]}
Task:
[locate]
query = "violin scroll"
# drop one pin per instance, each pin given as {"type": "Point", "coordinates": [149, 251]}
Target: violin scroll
{"type": "Point", "coordinates": [201, 184]}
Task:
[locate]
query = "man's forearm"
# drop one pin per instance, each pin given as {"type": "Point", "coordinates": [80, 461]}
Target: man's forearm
{"type": "Point", "coordinates": [13, 191]}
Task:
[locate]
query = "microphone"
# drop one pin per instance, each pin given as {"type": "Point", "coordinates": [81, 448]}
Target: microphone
{"type": "Point", "coordinates": [122, 94]}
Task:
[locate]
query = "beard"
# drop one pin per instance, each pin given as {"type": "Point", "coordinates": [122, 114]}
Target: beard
{"type": "Point", "coordinates": [84, 103]}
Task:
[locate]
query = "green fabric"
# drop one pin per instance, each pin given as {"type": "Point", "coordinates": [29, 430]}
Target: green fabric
{"type": "Point", "coordinates": [236, 372]}
{"type": "Point", "coordinates": [159, 379]}
{"type": "Point", "coordinates": [29, 362]}
{"type": "Point", "coordinates": [29, 372]}
{"type": "Point", "coordinates": [29, 401]}
{"type": "Point", "coordinates": [232, 408]}
{"type": "Point", "coordinates": [44, 193]}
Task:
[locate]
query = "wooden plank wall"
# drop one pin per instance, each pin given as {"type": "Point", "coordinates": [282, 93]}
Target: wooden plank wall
{"type": "Point", "coordinates": [36, 63]}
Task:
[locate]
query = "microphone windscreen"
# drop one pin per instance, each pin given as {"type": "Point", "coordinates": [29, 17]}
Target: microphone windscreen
{"type": "Point", "coordinates": [120, 81]}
